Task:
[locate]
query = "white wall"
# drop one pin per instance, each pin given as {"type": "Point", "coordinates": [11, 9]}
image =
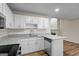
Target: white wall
{"type": "Point", "coordinates": [70, 29]}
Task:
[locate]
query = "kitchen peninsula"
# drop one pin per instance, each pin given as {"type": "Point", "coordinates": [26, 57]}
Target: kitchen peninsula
{"type": "Point", "coordinates": [53, 45]}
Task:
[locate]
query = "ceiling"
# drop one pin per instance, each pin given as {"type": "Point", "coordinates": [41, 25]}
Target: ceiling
{"type": "Point", "coordinates": [67, 10]}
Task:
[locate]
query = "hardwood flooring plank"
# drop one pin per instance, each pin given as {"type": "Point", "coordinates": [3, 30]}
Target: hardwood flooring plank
{"type": "Point", "coordinates": [71, 49]}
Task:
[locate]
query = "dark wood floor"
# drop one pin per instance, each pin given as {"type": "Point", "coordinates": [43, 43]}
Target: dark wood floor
{"type": "Point", "coordinates": [70, 49]}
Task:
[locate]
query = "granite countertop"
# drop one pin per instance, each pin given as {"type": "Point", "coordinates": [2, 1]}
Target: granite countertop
{"type": "Point", "coordinates": [6, 41]}
{"type": "Point", "coordinates": [54, 37]}
{"type": "Point", "coordinates": [14, 39]}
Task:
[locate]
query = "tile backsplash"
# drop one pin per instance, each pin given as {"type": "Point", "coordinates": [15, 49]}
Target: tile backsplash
{"type": "Point", "coordinates": [4, 32]}
{"type": "Point", "coordinates": [27, 31]}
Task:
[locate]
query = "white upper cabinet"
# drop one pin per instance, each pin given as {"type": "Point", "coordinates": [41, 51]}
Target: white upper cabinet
{"type": "Point", "coordinates": [31, 20]}
{"type": "Point", "coordinates": [17, 21]}
{"type": "Point", "coordinates": [53, 23]}
{"type": "Point", "coordinates": [46, 23]}
{"type": "Point", "coordinates": [28, 20]}
{"type": "Point", "coordinates": [23, 21]}
{"type": "Point", "coordinates": [20, 21]}
{"type": "Point", "coordinates": [34, 20]}
{"type": "Point", "coordinates": [9, 16]}
{"type": "Point", "coordinates": [40, 23]}
{"type": "Point", "coordinates": [43, 23]}
{"type": "Point", "coordinates": [1, 10]}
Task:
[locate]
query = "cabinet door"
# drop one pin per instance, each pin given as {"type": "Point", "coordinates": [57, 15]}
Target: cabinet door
{"type": "Point", "coordinates": [1, 7]}
{"type": "Point", "coordinates": [10, 19]}
{"type": "Point", "coordinates": [27, 20]}
{"type": "Point", "coordinates": [43, 23]}
{"type": "Point", "coordinates": [28, 46]}
{"type": "Point", "coordinates": [36, 44]}
{"type": "Point", "coordinates": [20, 21]}
{"type": "Point", "coordinates": [39, 45]}
{"type": "Point", "coordinates": [46, 23]}
{"type": "Point", "coordinates": [17, 21]}
{"type": "Point", "coordinates": [23, 21]}
{"type": "Point", "coordinates": [40, 23]}
{"type": "Point", "coordinates": [32, 45]}
{"type": "Point", "coordinates": [31, 19]}
{"type": "Point", "coordinates": [25, 46]}
{"type": "Point", "coordinates": [34, 20]}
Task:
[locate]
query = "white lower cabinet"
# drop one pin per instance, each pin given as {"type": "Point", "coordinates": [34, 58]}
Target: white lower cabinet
{"type": "Point", "coordinates": [39, 44]}
{"type": "Point", "coordinates": [31, 45]}
{"type": "Point", "coordinates": [27, 47]}
{"type": "Point", "coordinates": [24, 46]}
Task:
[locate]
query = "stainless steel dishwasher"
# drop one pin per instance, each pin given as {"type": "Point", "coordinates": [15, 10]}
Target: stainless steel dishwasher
{"type": "Point", "coordinates": [47, 46]}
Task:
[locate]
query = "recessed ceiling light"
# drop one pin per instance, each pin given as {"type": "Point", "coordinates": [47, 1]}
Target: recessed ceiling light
{"type": "Point", "coordinates": [57, 10]}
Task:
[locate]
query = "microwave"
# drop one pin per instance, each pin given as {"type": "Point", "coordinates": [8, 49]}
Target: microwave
{"type": "Point", "coordinates": [2, 21]}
